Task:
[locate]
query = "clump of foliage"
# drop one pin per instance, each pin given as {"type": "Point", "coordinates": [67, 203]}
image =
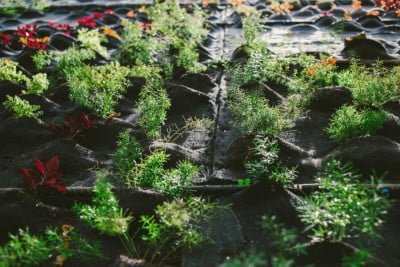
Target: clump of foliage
{"type": "Point", "coordinates": [344, 207]}
{"type": "Point", "coordinates": [21, 107]}
{"type": "Point", "coordinates": [73, 59]}
{"type": "Point", "coordinates": [104, 214]}
{"type": "Point", "coordinates": [153, 105]}
{"type": "Point", "coordinates": [42, 59]}
{"type": "Point", "coordinates": [92, 39]}
{"type": "Point", "coordinates": [372, 87]}
{"type": "Point", "coordinates": [134, 170]}
{"type": "Point", "coordinates": [179, 31]}
{"type": "Point", "coordinates": [348, 122]}
{"type": "Point", "coordinates": [98, 88]}
{"type": "Point", "coordinates": [135, 49]}
{"type": "Point", "coordinates": [44, 175]}
{"type": "Point", "coordinates": [283, 243]}
{"type": "Point", "coordinates": [38, 84]}
{"type": "Point", "coordinates": [254, 115]}
{"type": "Point", "coordinates": [315, 75]}
{"type": "Point", "coordinates": [26, 249]}
{"type": "Point", "coordinates": [9, 71]}
{"type": "Point", "coordinates": [74, 125]}
{"type": "Point", "coordinates": [251, 28]}
{"type": "Point", "coordinates": [175, 224]}
{"type": "Point", "coordinates": [128, 152]}
{"type": "Point", "coordinates": [266, 164]}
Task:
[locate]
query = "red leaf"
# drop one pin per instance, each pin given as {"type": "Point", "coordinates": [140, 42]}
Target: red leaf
{"type": "Point", "coordinates": [53, 165]}
{"type": "Point", "coordinates": [29, 179]}
{"type": "Point", "coordinates": [40, 166]}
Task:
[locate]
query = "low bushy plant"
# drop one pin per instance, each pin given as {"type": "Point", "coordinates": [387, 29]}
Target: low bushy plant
{"type": "Point", "coordinates": [348, 122]}
{"type": "Point", "coordinates": [98, 88]}
{"type": "Point", "coordinates": [153, 105]}
{"type": "Point", "coordinates": [372, 87]}
{"type": "Point", "coordinates": [92, 39]}
{"type": "Point", "coordinates": [73, 59]}
{"type": "Point", "coordinates": [54, 246]}
{"type": "Point", "coordinates": [21, 107]}
{"type": "Point", "coordinates": [105, 213]}
{"type": "Point", "coordinates": [344, 207]}
{"type": "Point", "coordinates": [254, 115]}
{"type": "Point", "coordinates": [37, 85]}
{"type": "Point", "coordinates": [9, 71]}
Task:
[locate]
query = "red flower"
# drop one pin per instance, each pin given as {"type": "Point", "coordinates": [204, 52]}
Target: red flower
{"type": "Point", "coordinates": [87, 21]}
{"type": "Point", "coordinates": [108, 11]}
{"type": "Point", "coordinates": [27, 31]}
{"type": "Point", "coordinates": [5, 38]}
{"type": "Point", "coordinates": [388, 4]}
{"type": "Point", "coordinates": [97, 15]}
{"type": "Point", "coordinates": [47, 175]}
{"type": "Point", "coordinates": [74, 124]}
{"type": "Point", "coordinates": [34, 44]}
{"type": "Point", "coordinates": [60, 26]}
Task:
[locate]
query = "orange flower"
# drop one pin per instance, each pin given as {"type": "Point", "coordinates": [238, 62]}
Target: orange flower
{"type": "Point", "coordinates": [331, 61]}
{"type": "Point", "coordinates": [67, 228]}
{"type": "Point", "coordinates": [310, 71]}
{"type": "Point", "coordinates": [235, 2]}
{"type": "Point", "coordinates": [373, 13]}
{"type": "Point", "coordinates": [398, 13]}
{"type": "Point", "coordinates": [131, 14]}
{"type": "Point", "coordinates": [356, 4]}
{"type": "Point", "coordinates": [110, 32]}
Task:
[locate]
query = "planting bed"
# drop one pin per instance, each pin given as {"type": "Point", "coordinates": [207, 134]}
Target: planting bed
{"type": "Point", "coordinates": [200, 134]}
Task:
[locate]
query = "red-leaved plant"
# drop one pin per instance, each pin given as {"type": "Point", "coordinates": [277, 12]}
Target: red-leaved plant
{"type": "Point", "coordinates": [44, 175]}
{"type": "Point", "coordinates": [73, 126]}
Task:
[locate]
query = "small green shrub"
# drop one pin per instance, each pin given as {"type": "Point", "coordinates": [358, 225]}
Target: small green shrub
{"type": "Point", "coordinates": [42, 59]}
{"type": "Point", "coordinates": [135, 49]}
{"type": "Point", "coordinates": [98, 88]}
{"type": "Point", "coordinates": [251, 28]}
{"type": "Point", "coordinates": [38, 84]}
{"type": "Point", "coordinates": [372, 87]}
{"type": "Point", "coordinates": [254, 115]}
{"type": "Point", "coordinates": [153, 105]}
{"type": "Point", "coordinates": [104, 214]}
{"type": "Point", "coordinates": [25, 249]}
{"type": "Point", "coordinates": [127, 153]}
{"type": "Point", "coordinates": [348, 122]}
{"type": "Point", "coordinates": [21, 108]}
{"type": "Point", "coordinates": [73, 59]}
{"type": "Point", "coordinates": [92, 39]}
{"type": "Point", "coordinates": [344, 207]}
{"type": "Point", "coordinates": [9, 71]}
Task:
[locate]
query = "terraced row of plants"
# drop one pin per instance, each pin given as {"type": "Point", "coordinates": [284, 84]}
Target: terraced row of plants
{"type": "Point", "coordinates": [173, 135]}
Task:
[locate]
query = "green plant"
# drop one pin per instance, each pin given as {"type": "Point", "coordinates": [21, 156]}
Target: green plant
{"type": "Point", "coordinates": [358, 258]}
{"type": "Point", "coordinates": [104, 214]}
{"type": "Point", "coordinates": [282, 175]}
{"type": "Point", "coordinates": [25, 249]}
{"type": "Point", "coordinates": [175, 223]}
{"type": "Point", "coordinates": [188, 58]}
{"type": "Point", "coordinates": [251, 27]}
{"type": "Point", "coordinates": [98, 88]}
{"type": "Point", "coordinates": [254, 115]}
{"type": "Point", "coordinates": [372, 87]}
{"type": "Point", "coordinates": [150, 173]}
{"type": "Point", "coordinates": [91, 39]}
{"type": "Point", "coordinates": [348, 122]}
{"type": "Point", "coordinates": [37, 84]}
{"type": "Point", "coordinates": [344, 207]}
{"type": "Point", "coordinates": [136, 49]}
{"type": "Point", "coordinates": [127, 153]}
{"type": "Point", "coordinates": [73, 59]}
{"type": "Point", "coordinates": [42, 59]}
{"type": "Point", "coordinates": [174, 132]}
{"type": "Point", "coordinates": [21, 108]}
{"type": "Point", "coordinates": [9, 72]}
{"type": "Point", "coordinates": [153, 105]}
